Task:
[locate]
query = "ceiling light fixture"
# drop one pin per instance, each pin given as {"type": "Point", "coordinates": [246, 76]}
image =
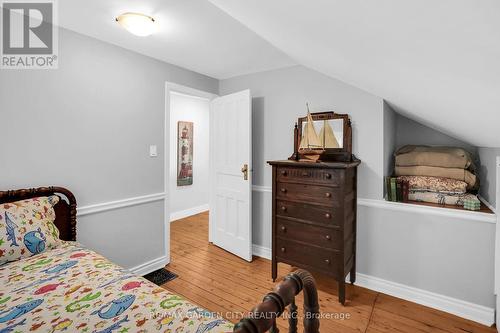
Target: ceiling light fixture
{"type": "Point", "coordinates": [137, 24]}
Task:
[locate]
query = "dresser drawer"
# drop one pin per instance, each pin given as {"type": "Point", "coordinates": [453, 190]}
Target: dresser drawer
{"type": "Point", "coordinates": [308, 193]}
{"type": "Point", "coordinates": [315, 214]}
{"type": "Point", "coordinates": [327, 238]}
{"type": "Point", "coordinates": [309, 175]}
{"type": "Point", "coordinates": [298, 254]}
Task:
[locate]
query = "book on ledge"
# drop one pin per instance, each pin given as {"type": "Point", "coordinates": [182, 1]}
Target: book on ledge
{"type": "Point", "coordinates": [397, 190]}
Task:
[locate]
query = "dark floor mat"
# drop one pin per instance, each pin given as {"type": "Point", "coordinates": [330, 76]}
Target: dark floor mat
{"type": "Point", "coordinates": [160, 276]}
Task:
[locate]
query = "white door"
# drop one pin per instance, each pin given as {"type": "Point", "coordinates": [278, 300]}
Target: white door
{"type": "Point", "coordinates": [231, 190]}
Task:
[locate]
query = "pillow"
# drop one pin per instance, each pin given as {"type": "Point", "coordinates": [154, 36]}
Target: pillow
{"type": "Point", "coordinates": [27, 228]}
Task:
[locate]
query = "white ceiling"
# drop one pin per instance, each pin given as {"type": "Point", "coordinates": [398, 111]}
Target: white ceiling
{"type": "Point", "coordinates": [437, 62]}
{"type": "Point", "coordinates": [193, 34]}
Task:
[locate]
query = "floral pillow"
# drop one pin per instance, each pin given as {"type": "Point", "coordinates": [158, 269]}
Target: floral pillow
{"type": "Point", "coordinates": [27, 228]}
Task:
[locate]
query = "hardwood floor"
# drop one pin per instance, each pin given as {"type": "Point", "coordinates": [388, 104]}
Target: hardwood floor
{"type": "Point", "coordinates": [224, 283]}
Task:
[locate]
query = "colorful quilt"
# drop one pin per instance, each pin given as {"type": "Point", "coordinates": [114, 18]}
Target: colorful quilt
{"type": "Point", "coordinates": [73, 289]}
{"type": "Point", "coordinates": [441, 198]}
{"type": "Point", "coordinates": [435, 184]}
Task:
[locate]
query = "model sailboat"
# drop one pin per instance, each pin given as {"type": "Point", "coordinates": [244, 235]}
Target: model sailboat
{"type": "Point", "coordinates": [328, 137]}
{"type": "Point", "coordinates": [310, 139]}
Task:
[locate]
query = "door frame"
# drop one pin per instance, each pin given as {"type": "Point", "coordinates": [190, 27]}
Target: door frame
{"type": "Point", "coordinates": [176, 88]}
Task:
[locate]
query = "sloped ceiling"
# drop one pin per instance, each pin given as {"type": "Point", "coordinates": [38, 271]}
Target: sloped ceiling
{"type": "Point", "coordinates": [193, 34]}
{"type": "Point", "coordinates": [437, 62]}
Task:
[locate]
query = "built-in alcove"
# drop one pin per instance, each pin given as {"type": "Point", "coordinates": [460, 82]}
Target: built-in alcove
{"type": "Point", "coordinates": [400, 131]}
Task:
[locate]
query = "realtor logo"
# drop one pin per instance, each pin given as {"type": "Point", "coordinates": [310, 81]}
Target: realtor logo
{"type": "Point", "coordinates": [29, 35]}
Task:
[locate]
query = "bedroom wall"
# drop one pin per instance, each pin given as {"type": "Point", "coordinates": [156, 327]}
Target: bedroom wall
{"type": "Point", "coordinates": [191, 199]}
{"type": "Point", "coordinates": [438, 253]}
{"type": "Point", "coordinates": [88, 126]}
{"type": "Point", "coordinates": [418, 255]}
{"type": "Point", "coordinates": [390, 128]}
{"type": "Point", "coordinates": [487, 174]}
{"type": "Point", "coordinates": [279, 98]}
{"type": "Point", "coordinates": [410, 132]}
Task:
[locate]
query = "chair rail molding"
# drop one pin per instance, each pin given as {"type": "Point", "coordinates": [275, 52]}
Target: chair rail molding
{"type": "Point", "coordinates": [260, 188]}
{"type": "Point", "coordinates": [112, 205]}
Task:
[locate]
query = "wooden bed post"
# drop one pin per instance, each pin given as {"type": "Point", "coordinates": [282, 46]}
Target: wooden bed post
{"type": "Point", "coordinates": [263, 317]}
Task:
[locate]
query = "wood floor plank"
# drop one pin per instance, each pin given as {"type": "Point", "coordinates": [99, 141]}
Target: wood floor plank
{"type": "Point", "coordinates": [221, 282]}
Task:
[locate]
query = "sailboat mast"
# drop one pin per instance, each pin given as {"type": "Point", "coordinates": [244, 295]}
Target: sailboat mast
{"type": "Point", "coordinates": [307, 132]}
{"type": "Point", "coordinates": [324, 134]}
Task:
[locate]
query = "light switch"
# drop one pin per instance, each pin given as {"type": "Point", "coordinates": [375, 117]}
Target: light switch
{"type": "Point", "coordinates": [153, 151]}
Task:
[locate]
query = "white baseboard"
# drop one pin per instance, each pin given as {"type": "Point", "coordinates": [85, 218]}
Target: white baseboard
{"type": "Point", "coordinates": [188, 212]}
{"type": "Point", "coordinates": [261, 251]}
{"type": "Point", "coordinates": [467, 310]}
{"type": "Point", "coordinates": [150, 266]}
{"type": "Point", "coordinates": [478, 313]}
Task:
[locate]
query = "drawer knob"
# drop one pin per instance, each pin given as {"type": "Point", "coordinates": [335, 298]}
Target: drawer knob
{"type": "Point", "coordinates": [305, 174]}
{"type": "Point", "coordinates": [328, 215]}
{"type": "Point", "coordinates": [328, 195]}
{"type": "Point", "coordinates": [328, 176]}
{"type": "Point", "coordinates": [283, 190]}
{"type": "Point", "coordinates": [327, 261]}
{"type": "Point", "coordinates": [283, 208]}
{"type": "Point", "coordinates": [283, 172]}
{"type": "Point", "coordinates": [328, 237]}
{"type": "Point", "coordinates": [283, 228]}
{"type": "Point", "coordinates": [283, 249]}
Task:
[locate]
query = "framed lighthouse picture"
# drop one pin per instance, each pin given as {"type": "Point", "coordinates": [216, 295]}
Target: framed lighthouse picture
{"type": "Point", "coordinates": [184, 153]}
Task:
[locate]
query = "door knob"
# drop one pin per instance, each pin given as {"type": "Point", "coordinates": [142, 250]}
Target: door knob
{"type": "Point", "coordinates": [244, 169]}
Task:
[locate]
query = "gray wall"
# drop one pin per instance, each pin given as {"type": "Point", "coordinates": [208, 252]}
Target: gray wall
{"type": "Point", "coordinates": [444, 255]}
{"type": "Point", "coordinates": [88, 126]}
{"type": "Point", "coordinates": [487, 173]}
{"type": "Point", "coordinates": [390, 128]}
{"type": "Point", "coordinates": [410, 132]}
{"type": "Point", "coordinates": [279, 98]}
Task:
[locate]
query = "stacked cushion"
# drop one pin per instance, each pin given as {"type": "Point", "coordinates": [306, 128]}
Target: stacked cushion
{"type": "Point", "coordinates": [27, 228]}
{"type": "Point", "coordinates": [453, 173]}
{"type": "Point", "coordinates": [435, 184]}
{"type": "Point", "coordinates": [446, 157]}
{"type": "Point", "coordinates": [441, 175]}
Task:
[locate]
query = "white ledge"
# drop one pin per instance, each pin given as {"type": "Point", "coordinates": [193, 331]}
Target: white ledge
{"type": "Point", "coordinates": [440, 211]}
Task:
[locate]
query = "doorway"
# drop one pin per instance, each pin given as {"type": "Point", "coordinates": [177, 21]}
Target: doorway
{"type": "Point", "coordinates": [189, 155]}
{"type": "Point", "coordinates": [208, 165]}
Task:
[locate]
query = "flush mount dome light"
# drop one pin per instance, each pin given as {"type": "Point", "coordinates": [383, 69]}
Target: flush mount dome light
{"type": "Point", "coordinates": [137, 24]}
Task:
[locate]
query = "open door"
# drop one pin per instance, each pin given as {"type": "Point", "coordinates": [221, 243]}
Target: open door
{"type": "Point", "coordinates": [230, 225]}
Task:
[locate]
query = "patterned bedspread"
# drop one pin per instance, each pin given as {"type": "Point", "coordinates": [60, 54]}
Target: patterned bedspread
{"type": "Point", "coordinates": [73, 289]}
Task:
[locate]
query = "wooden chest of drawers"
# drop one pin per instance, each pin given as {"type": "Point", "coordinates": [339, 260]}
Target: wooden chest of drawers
{"type": "Point", "coordinates": [314, 218]}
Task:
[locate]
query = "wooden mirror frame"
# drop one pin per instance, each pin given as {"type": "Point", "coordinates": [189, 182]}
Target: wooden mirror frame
{"type": "Point", "coordinates": [343, 154]}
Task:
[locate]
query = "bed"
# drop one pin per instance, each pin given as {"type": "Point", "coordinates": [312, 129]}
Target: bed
{"type": "Point", "coordinates": [69, 288]}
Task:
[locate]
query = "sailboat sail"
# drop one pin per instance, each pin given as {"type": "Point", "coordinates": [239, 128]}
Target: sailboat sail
{"type": "Point", "coordinates": [310, 139]}
{"type": "Point", "coordinates": [328, 137]}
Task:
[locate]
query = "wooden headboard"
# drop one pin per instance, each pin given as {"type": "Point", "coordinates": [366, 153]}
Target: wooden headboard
{"type": "Point", "coordinates": [65, 209]}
